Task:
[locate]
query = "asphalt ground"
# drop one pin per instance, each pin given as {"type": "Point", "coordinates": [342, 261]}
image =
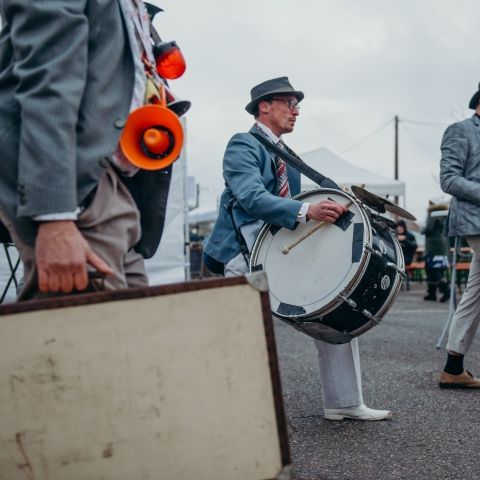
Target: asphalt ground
{"type": "Point", "coordinates": [434, 433]}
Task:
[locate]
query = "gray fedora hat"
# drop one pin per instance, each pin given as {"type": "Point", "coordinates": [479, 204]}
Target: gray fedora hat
{"type": "Point", "coordinates": [263, 90]}
{"type": "Point", "coordinates": [475, 100]}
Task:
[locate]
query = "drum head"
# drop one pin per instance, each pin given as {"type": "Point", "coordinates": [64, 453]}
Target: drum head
{"type": "Point", "coordinates": [307, 281]}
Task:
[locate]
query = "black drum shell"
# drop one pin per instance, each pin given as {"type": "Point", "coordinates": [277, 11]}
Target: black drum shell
{"type": "Point", "coordinates": [366, 303]}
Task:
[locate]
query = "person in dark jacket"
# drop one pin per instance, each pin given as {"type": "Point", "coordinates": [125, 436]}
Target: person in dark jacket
{"type": "Point", "coordinates": [407, 242]}
{"type": "Point", "coordinates": [436, 253]}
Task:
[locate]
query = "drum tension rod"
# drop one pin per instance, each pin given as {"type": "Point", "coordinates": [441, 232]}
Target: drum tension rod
{"type": "Point", "coordinates": [372, 250]}
{"type": "Point", "coordinates": [387, 264]}
{"type": "Point", "coordinates": [369, 315]}
{"type": "Point", "coordinates": [351, 303]}
{"type": "Point", "coordinates": [401, 272]}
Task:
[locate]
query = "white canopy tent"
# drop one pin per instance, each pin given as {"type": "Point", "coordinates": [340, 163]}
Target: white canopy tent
{"type": "Point", "coordinates": [203, 214]}
{"type": "Point", "coordinates": [347, 174]}
{"type": "Point", "coordinates": [207, 206]}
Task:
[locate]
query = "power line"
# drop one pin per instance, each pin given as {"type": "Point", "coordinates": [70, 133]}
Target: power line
{"type": "Point", "coordinates": [425, 124]}
{"type": "Point", "coordinates": [403, 121]}
{"type": "Point", "coordinates": [427, 149]}
{"type": "Point", "coordinates": [364, 139]}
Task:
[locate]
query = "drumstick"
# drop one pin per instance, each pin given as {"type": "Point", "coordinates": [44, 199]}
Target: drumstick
{"type": "Point", "coordinates": [286, 250]}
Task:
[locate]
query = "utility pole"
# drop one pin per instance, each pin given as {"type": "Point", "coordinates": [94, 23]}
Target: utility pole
{"type": "Point", "coordinates": [396, 154]}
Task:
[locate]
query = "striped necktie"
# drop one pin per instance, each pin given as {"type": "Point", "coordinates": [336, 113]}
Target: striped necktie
{"type": "Point", "coordinates": [283, 190]}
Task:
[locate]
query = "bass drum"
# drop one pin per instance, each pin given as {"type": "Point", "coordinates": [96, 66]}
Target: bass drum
{"type": "Point", "coordinates": [339, 281]}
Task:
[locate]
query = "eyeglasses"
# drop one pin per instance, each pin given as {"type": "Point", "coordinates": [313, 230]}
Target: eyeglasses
{"type": "Point", "coordinates": [292, 103]}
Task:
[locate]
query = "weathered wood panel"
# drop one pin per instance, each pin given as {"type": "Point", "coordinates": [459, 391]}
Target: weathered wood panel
{"type": "Point", "coordinates": [170, 386]}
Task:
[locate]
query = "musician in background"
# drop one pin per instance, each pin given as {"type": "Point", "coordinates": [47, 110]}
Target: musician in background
{"type": "Point", "coordinates": [70, 73]}
{"type": "Point", "coordinates": [459, 176]}
{"type": "Point", "coordinates": [436, 253]}
{"type": "Point", "coordinates": [407, 242]}
{"type": "Point", "coordinates": [258, 190]}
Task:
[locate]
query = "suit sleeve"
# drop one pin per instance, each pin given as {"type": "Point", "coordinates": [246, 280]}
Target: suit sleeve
{"type": "Point", "coordinates": [455, 152]}
{"type": "Point", "coordinates": [50, 51]}
{"type": "Point", "coordinates": [243, 173]}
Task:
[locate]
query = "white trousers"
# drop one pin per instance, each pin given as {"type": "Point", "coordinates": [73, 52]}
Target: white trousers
{"type": "Point", "coordinates": [467, 316]}
{"type": "Point", "coordinates": [339, 365]}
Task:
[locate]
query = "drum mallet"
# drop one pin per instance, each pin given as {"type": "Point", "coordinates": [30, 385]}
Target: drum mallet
{"type": "Point", "coordinates": [286, 250]}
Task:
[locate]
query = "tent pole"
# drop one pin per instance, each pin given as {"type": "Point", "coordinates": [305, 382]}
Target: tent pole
{"type": "Point", "coordinates": [186, 227]}
{"type": "Point", "coordinates": [396, 154]}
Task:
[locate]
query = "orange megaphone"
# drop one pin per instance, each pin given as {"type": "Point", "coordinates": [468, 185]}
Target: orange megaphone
{"type": "Point", "coordinates": [152, 138]}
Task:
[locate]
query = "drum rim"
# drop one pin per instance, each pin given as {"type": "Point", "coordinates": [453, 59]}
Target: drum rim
{"type": "Point", "coordinates": [358, 275]}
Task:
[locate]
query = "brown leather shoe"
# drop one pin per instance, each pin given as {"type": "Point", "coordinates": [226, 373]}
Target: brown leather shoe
{"type": "Point", "coordinates": [464, 380]}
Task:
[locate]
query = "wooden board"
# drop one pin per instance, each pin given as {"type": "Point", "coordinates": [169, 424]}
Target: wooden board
{"type": "Point", "coordinates": [170, 383]}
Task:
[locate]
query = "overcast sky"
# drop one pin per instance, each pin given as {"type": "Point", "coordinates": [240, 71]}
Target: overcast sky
{"type": "Point", "coordinates": [359, 63]}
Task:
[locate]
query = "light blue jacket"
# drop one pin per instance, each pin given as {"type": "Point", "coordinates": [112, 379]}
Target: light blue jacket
{"type": "Point", "coordinates": [460, 176]}
{"type": "Point", "coordinates": [250, 183]}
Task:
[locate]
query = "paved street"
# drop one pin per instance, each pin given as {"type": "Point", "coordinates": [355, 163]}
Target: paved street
{"type": "Point", "coordinates": [434, 433]}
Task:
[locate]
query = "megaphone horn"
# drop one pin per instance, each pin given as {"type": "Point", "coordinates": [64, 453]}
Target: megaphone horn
{"type": "Point", "coordinates": [152, 138]}
{"type": "Point", "coordinates": [180, 107]}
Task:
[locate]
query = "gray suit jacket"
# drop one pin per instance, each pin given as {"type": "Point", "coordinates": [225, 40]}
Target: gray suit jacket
{"type": "Point", "coordinates": [250, 183]}
{"type": "Point", "coordinates": [460, 176]}
{"type": "Point", "coordinates": [66, 81]}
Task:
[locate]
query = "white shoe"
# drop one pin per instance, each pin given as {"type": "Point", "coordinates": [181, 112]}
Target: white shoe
{"type": "Point", "coordinates": [362, 412]}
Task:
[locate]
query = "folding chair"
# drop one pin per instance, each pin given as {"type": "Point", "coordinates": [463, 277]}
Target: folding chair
{"type": "Point", "coordinates": [13, 265]}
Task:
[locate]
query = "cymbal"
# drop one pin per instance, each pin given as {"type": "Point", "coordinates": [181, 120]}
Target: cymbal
{"type": "Point", "coordinates": [381, 205]}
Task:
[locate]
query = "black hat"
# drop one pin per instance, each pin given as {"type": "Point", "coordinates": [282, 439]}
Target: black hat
{"type": "Point", "coordinates": [265, 89]}
{"type": "Point", "coordinates": [475, 100]}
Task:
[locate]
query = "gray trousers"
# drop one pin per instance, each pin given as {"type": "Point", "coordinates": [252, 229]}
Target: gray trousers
{"type": "Point", "coordinates": [111, 226]}
{"type": "Point", "coordinates": [467, 316]}
{"type": "Point", "coordinates": [339, 365]}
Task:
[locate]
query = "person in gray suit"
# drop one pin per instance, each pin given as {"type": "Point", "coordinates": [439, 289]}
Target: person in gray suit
{"type": "Point", "coordinates": [70, 73]}
{"type": "Point", "coordinates": [258, 189]}
{"type": "Point", "coordinates": [460, 177]}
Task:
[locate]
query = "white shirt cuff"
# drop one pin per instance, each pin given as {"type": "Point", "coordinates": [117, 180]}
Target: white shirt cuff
{"type": "Point", "coordinates": [302, 213]}
{"type": "Point", "coordinates": [51, 217]}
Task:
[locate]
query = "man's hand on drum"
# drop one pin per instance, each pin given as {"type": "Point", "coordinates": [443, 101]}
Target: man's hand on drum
{"type": "Point", "coordinates": [326, 210]}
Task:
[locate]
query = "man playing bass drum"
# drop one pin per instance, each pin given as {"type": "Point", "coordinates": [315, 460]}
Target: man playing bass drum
{"type": "Point", "coordinates": [258, 190]}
